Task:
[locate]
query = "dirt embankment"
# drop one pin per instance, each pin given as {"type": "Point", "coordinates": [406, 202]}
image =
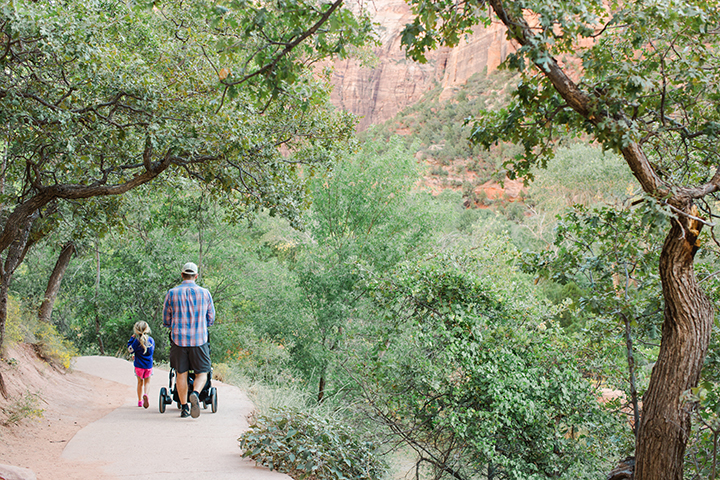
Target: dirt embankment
{"type": "Point", "coordinates": [44, 407]}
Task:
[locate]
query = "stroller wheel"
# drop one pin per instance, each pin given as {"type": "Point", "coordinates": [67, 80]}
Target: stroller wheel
{"type": "Point", "coordinates": [161, 404]}
{"type": "Point", "coordinates": [213, 398]}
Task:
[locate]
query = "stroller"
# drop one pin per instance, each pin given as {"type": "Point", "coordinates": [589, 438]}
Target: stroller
{"type": "Point", "coordinates": [208, 394]}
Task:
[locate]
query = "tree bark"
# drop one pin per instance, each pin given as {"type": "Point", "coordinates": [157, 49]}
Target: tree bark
{"type": "Point", "coordinates": [665, 422]}
{"type": "Point", "coordinates": [631, 374]}
{"type": "Point", "coordinates": [321, 389]}
{"type": "Point", "coordinates": [53, 286]}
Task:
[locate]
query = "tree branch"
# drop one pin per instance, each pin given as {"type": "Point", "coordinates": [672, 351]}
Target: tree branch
{"type": "Point", "coordinates": [290, 46]}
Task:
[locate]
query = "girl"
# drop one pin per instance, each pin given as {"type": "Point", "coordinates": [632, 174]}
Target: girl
{"type": "Point", "coordinates": [142, 346]}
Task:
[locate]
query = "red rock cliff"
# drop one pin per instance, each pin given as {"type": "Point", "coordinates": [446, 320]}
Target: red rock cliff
{"type": "Point", "coordinates": [377, 94]}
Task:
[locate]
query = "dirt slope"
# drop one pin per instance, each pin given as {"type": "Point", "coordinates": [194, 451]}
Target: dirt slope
{"type": "Point", "coordinates": [68, 402]}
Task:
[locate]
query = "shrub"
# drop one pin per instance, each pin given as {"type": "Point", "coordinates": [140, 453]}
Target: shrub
{"type": "Point", "coordinates": [21, 407]}
{"type": "Point", "coordinates": [24, 326]}
{"type": "Point", "coordinates": [307, 446]}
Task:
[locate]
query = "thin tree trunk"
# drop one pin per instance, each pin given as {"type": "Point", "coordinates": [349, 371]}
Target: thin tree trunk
{"type": "Point", "coordinates": [665, 422]}
{"type": "Point", "coordinates": [633, 378]}
{"type": "Point", "coordinates": [97, 290]}
{"type": "Point", "coordinates": [321, 389]}
{"type": "Point", "coordinates": [53, 286]}
{"type": "Point", "coordinates": [200, 249]}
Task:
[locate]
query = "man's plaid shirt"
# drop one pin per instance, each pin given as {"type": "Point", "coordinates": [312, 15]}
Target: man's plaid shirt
{"type": "Point", "coordinates": [188, 311]}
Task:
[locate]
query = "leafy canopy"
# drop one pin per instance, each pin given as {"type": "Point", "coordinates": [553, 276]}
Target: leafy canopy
{"type": "Point", "coordinates": [99, 97]}
{"type": "Point", "coordinates": [647, 73]}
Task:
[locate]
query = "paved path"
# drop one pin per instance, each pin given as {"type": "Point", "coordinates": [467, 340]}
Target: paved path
{"type": "Point", "coordinates": [137, 444]}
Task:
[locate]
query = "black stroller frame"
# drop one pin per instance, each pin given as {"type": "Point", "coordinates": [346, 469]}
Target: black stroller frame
{"type": "Point", "coordinates": [207, 396]}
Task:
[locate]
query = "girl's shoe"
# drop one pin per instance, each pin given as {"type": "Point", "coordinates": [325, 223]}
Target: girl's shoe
{"type": "Point", "coordinates": [140, 404]}
{"type": "Point", "coordinates": [145, 402]}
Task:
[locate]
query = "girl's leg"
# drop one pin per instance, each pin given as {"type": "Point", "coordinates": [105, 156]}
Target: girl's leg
{"type": "Point", "coordinates": [139, 390]}
{"type": "Point", "coordinates": [146, 383]}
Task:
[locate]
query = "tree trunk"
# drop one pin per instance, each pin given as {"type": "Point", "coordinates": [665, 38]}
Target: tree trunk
{"type": "Point", "coordinates": [3, 311]}
{"type": "Point", "coordinates": [665, 422]}
{"type": "Point", "coordinates": [15, 255]}
{"type": "Point", "coordinates": [321, 389]}
{"type": "Point", "coordinates": [54, 282]}
{"type": "Point", "coordinates": [97, 290]}
{"type": "Point", "coordinates": [631, 374]}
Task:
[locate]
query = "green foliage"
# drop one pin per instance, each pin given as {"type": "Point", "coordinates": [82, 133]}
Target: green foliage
{"type": "Point", "coordinates": [366, 216]}
{"type": "Point", "coordinates": [259, 359]}
{"type": "Point", "coordinates": [604, 260]}
{"type": "Point", "coordinates": [21, 407]}
{"type": "Point", "coordinates": [464, 363]}
{"type": "Point", "coordinates": [437, 129]}
{"type": "Point", "coordinates": [310, 447]}
{"type": "Point", "coordinates": [146, 84]}
{"type": "Point", "coordinates": [23, 326]}
{"type": "Point", "coordinates": [702, 453]}
{"type": "Point", "coordinates": [581, 174]}
{"type": "Point", "coordinates": [665, 99]}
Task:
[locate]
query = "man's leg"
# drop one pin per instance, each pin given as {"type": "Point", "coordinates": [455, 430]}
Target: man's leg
{"type": "Point", "coordinates": [199, 382]}
{"type": "Point", "coordinates": [182, 387]}
{"type": "Point", "coordinates": [200, 362]}
{"type": "Point", "coordinates": [179, 361]}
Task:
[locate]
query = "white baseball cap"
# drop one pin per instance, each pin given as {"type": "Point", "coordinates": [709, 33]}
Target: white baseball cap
{"type": "Point", "coordinates": [190, 269]}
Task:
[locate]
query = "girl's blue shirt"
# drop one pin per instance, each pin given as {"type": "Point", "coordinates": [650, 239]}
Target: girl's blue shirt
{"type": "Point", "coordinates": [143, 359]}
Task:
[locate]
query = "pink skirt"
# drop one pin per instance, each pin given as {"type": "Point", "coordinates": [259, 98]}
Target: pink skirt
{"type": "Point", "coordinates": [143, 372]}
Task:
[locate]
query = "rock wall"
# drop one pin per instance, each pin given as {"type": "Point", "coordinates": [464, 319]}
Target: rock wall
{"type": "Point", "coordinates": [377, 94]}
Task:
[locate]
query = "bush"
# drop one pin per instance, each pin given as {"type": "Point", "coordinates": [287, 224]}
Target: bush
{"type": "Point", "coordinates": [20, 408]}
{"type": "Point", "coordinates": [24, 326]}
{"type": "Point", "coordinates": [306, 446]}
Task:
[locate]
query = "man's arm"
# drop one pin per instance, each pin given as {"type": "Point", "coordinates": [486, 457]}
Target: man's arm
{"type": "Point", "coordinates": [210, 316]}
{"type": "Point", "coordinates": [167, 311]}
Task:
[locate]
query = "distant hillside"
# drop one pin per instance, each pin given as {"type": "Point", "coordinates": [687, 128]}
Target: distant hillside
{"type": "Point", "coordinates": [434, 129]}
{"type": "Point", "coordinates": [393, 83]}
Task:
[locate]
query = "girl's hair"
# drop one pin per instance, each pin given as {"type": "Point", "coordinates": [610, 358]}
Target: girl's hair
{"type": "Point", "coordinates": [142, 332]}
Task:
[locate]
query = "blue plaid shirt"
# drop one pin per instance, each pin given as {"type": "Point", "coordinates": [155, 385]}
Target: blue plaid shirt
{"type": "Point", "coordinates": [188, 311]}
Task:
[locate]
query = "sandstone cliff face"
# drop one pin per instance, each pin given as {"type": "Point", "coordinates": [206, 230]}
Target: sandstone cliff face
{"type": "Point", "coordinates": [377, 94]}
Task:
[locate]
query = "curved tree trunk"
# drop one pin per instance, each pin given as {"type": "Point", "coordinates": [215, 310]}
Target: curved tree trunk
{"type": "Point", "coordinates": [665, 422]}
{"type": "Point", "coordinates": [53, 286]}
{"type": "Point", "coordinates": [15, 255]}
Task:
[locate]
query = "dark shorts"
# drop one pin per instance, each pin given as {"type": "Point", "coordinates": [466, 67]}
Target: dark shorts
{"type": "Point", "coordinates": [196, 359]}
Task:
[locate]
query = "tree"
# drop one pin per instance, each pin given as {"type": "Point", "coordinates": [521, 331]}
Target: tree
{"type": "Point", "coordinates": [99, 97]}
{"type": "Point", "coordinates": [365, 216]}
{"type": "Point", "coordinates": [642, 78]}
{"type": "Point", "coordinates": [605, 257]}
{"type": "Point", "coordinates": [53, 286]}
{"type": "Point", "coordinates": [464, 364]}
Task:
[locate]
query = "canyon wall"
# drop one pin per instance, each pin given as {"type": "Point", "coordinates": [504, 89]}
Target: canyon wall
{"type": "Point", "coordinates": [377, 94]}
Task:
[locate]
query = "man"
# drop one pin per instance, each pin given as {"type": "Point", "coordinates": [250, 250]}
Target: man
{"type": "Point", "coordinates": [188, 312]}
